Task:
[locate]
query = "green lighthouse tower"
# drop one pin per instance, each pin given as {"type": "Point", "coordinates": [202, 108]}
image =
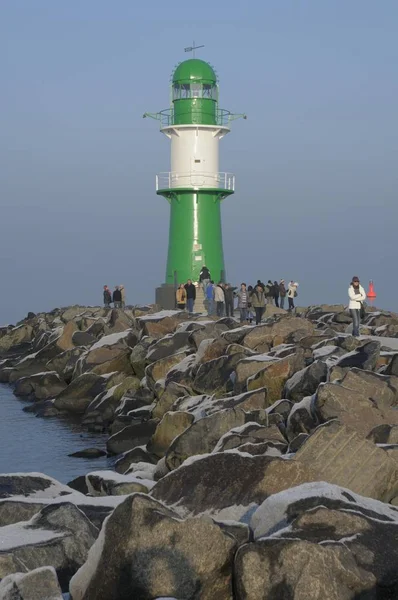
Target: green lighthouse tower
{"type": "Point", "coordinates": [194, 187]}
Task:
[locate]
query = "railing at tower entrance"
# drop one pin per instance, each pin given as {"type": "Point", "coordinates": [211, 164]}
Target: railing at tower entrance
{"type": "Point", "coordinates": [195, 180]}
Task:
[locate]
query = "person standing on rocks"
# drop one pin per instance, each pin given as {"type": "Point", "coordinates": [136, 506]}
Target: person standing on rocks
{"type": "Point", "coordinates": [292, 294]}
{"type": "Point", "coordinates": [107, 297]}
{"type": "Point", "coordinates": [357, 296]}
{"type": "Point", "coordinates": [243, 302]}
{"type": "Point", "coordinates": [117, 297]}
{"type": "Point", "coordinates": [276, 293]}
{"type": "Point", "coordinates": [282, 293]}
{"type": "Point", "coordinates": [229, 300]}
{"type": "Point", "coordinates": [210, 298]}
{"type": "Point", "coordinates": [123, 293]}
{"type": "Point", "coordinates": [204, 278]}
{"type": "Point", "coordinates": [249, 305]}
{"type": "Point", "coordinates": [219, 298]}
{"type": "Point", "coordinates": [191, 295]}
{"type": "Point", "coordinates": [258, 302]}
{"type": "Point", "coordinates": [181, 297]}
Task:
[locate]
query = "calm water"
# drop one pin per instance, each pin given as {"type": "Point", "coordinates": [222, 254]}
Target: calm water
{"type": "Point", "coordinates": [29, 443]}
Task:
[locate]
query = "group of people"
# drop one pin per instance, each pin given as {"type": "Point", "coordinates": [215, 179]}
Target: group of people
{"type": "Point", "coordinates": [251, 300]}
{"type": "Point", "coordinates": [118, 297]}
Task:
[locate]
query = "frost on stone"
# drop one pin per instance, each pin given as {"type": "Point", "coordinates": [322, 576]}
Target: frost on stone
{"type": "Point", "coordinates": [110, 340]}
{"type": "Point", "coordinates": [271, 516]}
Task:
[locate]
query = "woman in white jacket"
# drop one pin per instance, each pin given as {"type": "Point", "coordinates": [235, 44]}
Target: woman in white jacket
{"type": "Point", "coordinates": [357, 295]}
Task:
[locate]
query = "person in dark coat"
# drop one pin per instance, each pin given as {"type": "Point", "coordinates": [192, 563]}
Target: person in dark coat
{"type": "Point", "coordinates": [191, 295]}
{"type": "Point", "coordinates": [276, 293]}
{"type": "Point", "coordinates": [204, 278]}
{"type": "Point", "coordinates": [282, 293]}
{"type": "Point", "coordinates": [107, 297]}
{"type": "Point", "coordinates": [229, 300]}
{"type": "Point", "coordinates": [117, 298]}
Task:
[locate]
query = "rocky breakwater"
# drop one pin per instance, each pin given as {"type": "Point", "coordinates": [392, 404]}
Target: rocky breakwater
{"type": "Point", "coordinates": [254, 462]}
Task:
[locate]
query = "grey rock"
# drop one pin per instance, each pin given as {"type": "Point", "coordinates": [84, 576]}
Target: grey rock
{"type": "Point", "coordinates": [340, 456]}
{"type": "Point", "coordinates": [39, 584]}
{"type": "Point", "coordinates": [305, 382]}
{"type": "Point", "coordinates": [131, 436]}
{"type": "Point", "coordinates": [202, 436]}
{"type": "Point", "coordinates": [59, 536]}
{"type": "Point", "coordinates": [140, 536]}
{"type": "Point", "coordinates": [228, 484]}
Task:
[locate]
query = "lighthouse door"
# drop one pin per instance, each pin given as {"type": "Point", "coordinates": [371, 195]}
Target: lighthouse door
{"type": "Point", "coordinates": [197, 172]}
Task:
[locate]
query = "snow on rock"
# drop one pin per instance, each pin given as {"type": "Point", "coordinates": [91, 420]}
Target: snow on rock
{"type": "Point", "coordinates": [59, 536]}
{"type": "Point", "coordinates": [110, 340]}
{"type": "Point", "coordinates": [110, 483]}
{"type": "Point", "coordinates": [159, 315]}
{"type": "Point", "coordinates": [32, 485]}
{"type": "Point", "coordinates": [272, 515]}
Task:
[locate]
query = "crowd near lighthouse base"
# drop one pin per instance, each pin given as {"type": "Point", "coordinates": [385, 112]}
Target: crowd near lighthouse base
{"type": "Point", "coordinates": [194, 187]}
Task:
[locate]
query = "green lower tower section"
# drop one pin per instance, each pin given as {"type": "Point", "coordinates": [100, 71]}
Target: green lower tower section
{"type": "Point", "coordinates": [195, 235]}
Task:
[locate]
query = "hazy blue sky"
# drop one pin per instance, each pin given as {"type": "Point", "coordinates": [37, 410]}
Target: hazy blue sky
{"type": "Point", "coordinates": [315, 162]}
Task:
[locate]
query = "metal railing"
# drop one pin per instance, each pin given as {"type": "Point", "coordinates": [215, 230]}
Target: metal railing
{"type": "Point", "coordinates": [223, 117]}
{"type": "Point", "coordinates": [195, 180]}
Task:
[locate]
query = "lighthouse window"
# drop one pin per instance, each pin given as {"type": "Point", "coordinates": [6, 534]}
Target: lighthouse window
{"type": "Point", "coordinates": [194, 90]}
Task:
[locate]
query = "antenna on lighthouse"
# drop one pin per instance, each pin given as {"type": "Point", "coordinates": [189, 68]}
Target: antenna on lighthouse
{"type": "Point", "coordinates": [193, 48]}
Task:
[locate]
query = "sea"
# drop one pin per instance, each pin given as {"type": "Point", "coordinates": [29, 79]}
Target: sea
{"type": "Point", "coordinates": [35, 444]}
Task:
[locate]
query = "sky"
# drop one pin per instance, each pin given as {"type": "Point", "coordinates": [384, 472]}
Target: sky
{"type": "Point", "coordinates": [315, 161]}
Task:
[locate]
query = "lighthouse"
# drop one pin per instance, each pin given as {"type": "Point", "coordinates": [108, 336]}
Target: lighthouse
{"type": "Point", "coordinates": [194, 186]}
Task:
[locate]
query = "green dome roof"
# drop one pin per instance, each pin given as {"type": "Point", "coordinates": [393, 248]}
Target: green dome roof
{"type": "Point", "coordinates": [194, 70]}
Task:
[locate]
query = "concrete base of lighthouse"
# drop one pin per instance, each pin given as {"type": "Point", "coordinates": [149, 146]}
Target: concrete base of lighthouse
{"type": "Point", "coordinates": [165, 297]}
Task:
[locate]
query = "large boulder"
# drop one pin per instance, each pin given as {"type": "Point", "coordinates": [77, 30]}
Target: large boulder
{"type": "Point", "coordinates": [105, 404]}
{"type": "Point", "coordinates": [157, 325]}
{"type": "Point", "coordinates": [228, 484]}
{"type": "Point", "coordinates": [171, 426]}
{"type": "Point", "coordinates": [202, 436]}
{"type": "Point", "coordinates": [130, 436]}
{"type": "Point", "coordinates": [305, 382]}
{"type": "Point", "coordinates": [15, 337]}
{"type": "Point", "coordinates": [352, 407]}
{"type": "Point", "coordinates": [41, 386]}
{"type": "Point", "coordinates": [214, 376]}
{"type": "Point", "coordinates": [295, 569]}
{"type": "Point", "coordinates": [182, 372]}
{"type": "Point", "coordinates": [273, 376]}
{"type": "Point", "coordinates": [64, 364]}
{"type": "Point", "coordinates": [278, 332]}
{"type": "Point", "coordinates": [365, 357]}
{"type": "Point", "coordinates": [146, 551]}
{"type": "Point", "coordinates": [340, 456]}
{"type": "Point", "coordinates": [138, 356]}
{"type": "Point", "coordinates": [170, 395]}
{"type": "Point", "coordinates": [159, 369]}
{"type": "Point", "coordinates": [301, 419]}
{"type": "Point", "coordinates": [320, 541]}
{"type": "Point", "coordinates": [82, 338]}
{"type": "Point", "coordinates": [59, 536]}
{"type": "Point", "coordinates": [110, 353]}
{"type": "Point", "coordinates": [31, 484]}
{"type": "Point", "coordinates": [80, 392]}
{"type": "Point", "coordinates": [31, 586]}
{"type": "Point", "coordinates": [169, 344]}
{"type": "Point", "coordinates": [59, 341]}
{"type": "Point", "coordinates": [249, 366]}
{"type": "Point", "coordinates": [109, 483]}
{"type": "Point", "coordinates": [26, 366]}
